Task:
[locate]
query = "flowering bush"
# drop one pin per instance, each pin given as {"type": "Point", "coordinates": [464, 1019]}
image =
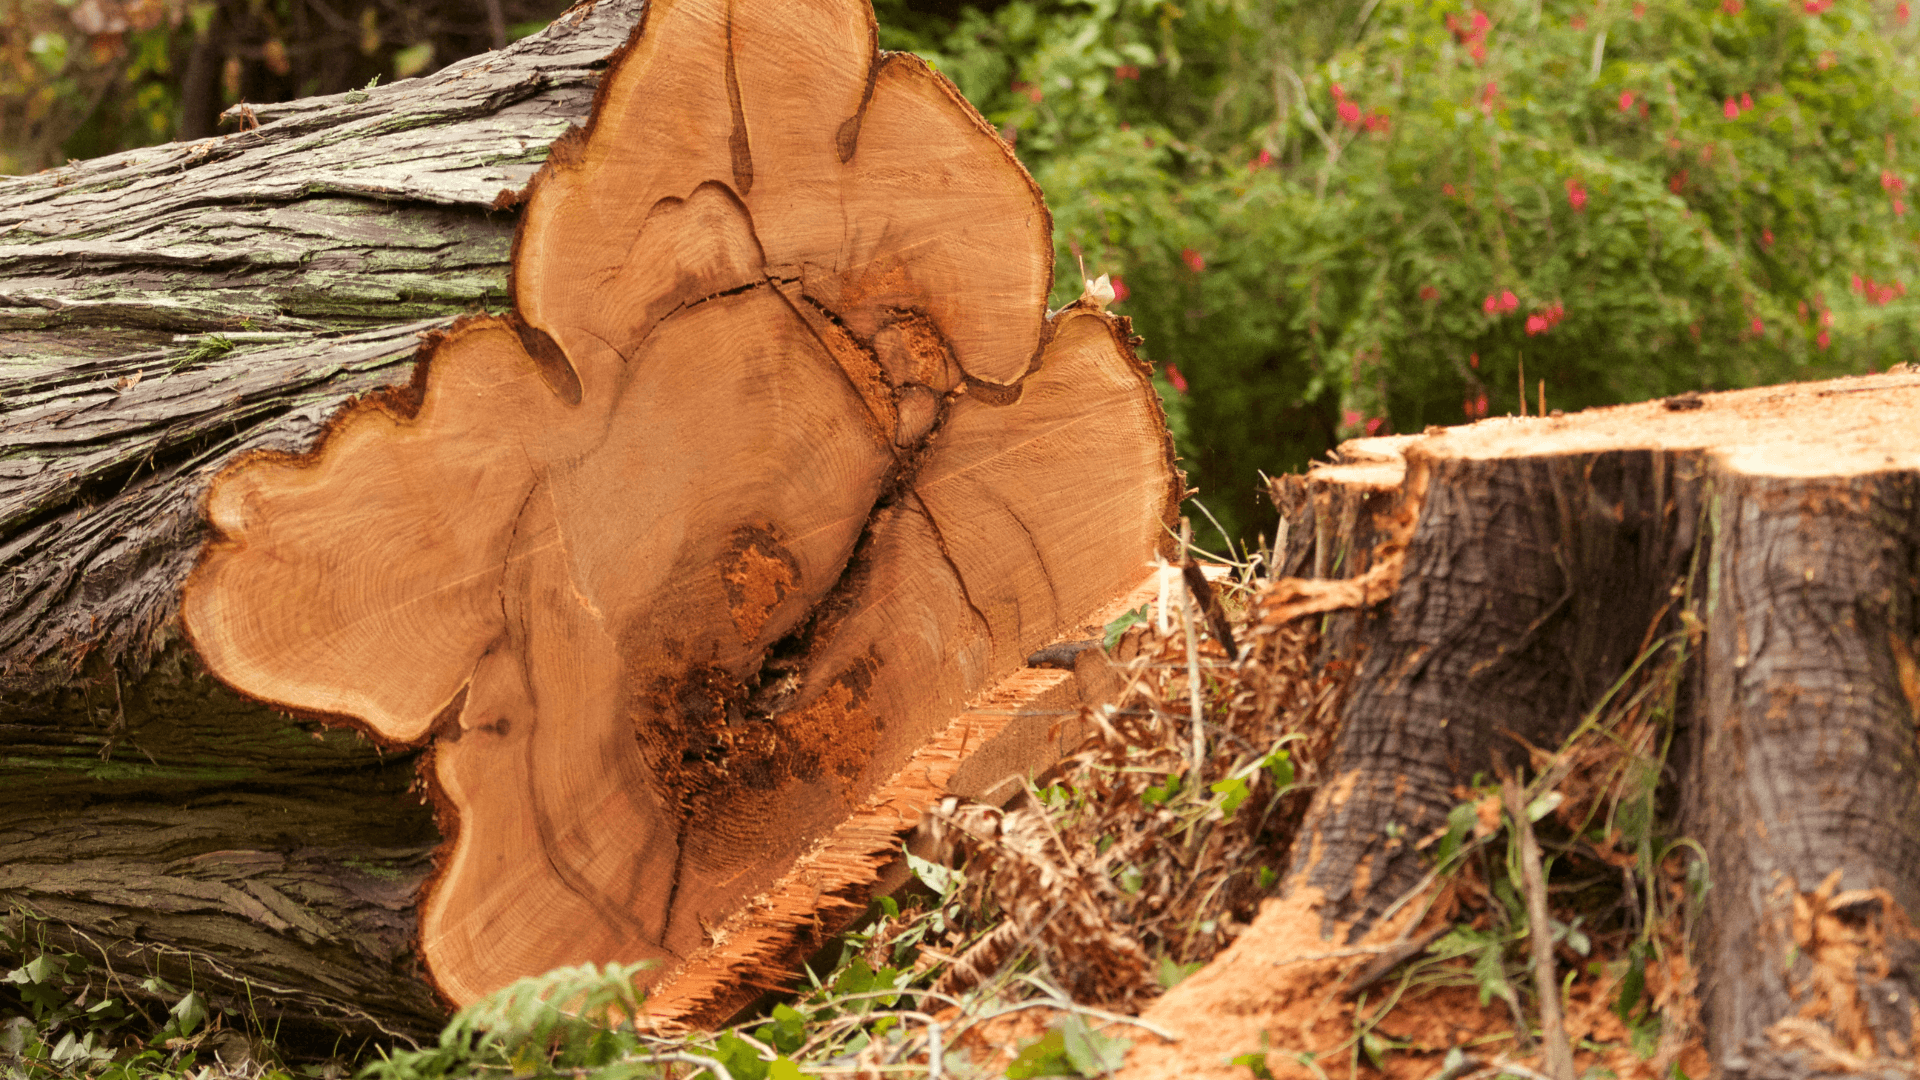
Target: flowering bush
{"type": "Point", "coordinates": [1331, 215]}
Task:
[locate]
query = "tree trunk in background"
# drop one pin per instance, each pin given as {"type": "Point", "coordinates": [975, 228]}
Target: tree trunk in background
{"type": "Point", "coordinates": [1541, 557]}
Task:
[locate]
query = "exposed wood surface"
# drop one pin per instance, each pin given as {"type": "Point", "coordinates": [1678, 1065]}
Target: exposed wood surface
{"type": "Point", "coordinates": [777, 463]}
{"type": "Point", "coordinates": [1539, 557]}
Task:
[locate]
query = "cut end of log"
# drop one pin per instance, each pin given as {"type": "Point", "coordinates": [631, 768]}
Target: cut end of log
{"type": "Point", "coordinates": [776, 466]}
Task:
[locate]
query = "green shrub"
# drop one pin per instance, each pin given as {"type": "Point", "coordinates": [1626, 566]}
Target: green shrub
{"type": "Point", "coordinates": [1335, 218]}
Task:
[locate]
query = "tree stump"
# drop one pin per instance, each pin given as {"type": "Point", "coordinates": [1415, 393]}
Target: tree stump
{"type": "Point", "coordinates": [1517, 567]}
{"type": "Point", "coordinates": [702, 570]}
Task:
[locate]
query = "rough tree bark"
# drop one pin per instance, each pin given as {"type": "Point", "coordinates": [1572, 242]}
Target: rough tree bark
{"type": "Point", "coordinates": [855, 477]}
{"type": "Point", "coordinates": [1528, 563]}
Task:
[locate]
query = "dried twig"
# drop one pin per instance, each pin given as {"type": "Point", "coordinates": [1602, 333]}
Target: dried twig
{"type": "Point", "coordinates": [1392, 956]}
{"type": "Point", "coordinates": [1188, 615]}
{"type": "Point", "coordinates": [1539, 936]}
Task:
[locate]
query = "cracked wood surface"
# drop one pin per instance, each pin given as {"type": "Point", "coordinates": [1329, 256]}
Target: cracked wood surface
{"type": "Point", "coordinates": [1543, 551]}
{"type": "Point", "coordinates": [316, 246]}
{"type": "Point", "coordinates": [778, 462]}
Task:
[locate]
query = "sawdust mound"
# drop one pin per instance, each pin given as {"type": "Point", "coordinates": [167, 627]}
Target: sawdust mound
{"type": "Point", "coordinates": [1278, 996]}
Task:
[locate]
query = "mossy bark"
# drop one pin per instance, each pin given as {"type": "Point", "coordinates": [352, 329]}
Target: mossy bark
{"type": "Point", "coordinates": [163, 825]}
{"type": "Point", "coordinates": [163, 312]}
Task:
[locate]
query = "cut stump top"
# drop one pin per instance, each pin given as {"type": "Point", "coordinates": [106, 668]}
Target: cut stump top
{"type": "Point", "coordinates": [1836, 427]}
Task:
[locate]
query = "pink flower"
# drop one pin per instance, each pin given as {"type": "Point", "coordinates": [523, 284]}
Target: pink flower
{"type": "Point", "coordinates": [1639, 11]}
{"type": "Point", "coordinates": [1766, 237]}
{"type": "Point", "coordinates": [1626, 100]}
{"type": "Point", "coordinates": [1178, 380]}
{"type": "Point", "coordinates": [1732, 109]}
{"type": "Point", "coordinates": [1350, 418]}
{"type": "Point", "coordinates": [1859, 286]}
{"type": "Point", "coordinates": [1823, 339]}
{"type": "Point", "coordinates": [1815, 7]}
{"type": "Point", "coordinates": [1339, 92]}
{"type": "Point", "coordinates": [1447, 190]}
{"type": "Point", "coordinates": [1127, 71]}
{"type": "Point", "coordinates": [1508, 301]}
{"type": "Point", "coordinates": [1899, 207]}
{"type": "Point", "coordinates": [1491, 305]}
{"type": "Point", "coordinates": [1579, 22]}
{"type": "Point", "coordinates": [1759, 328]}
{"type": "Point", "coordinates": [1261, 160]}
{"type": "Point", "coordinates": [1891, 182]}
{"type": "Point", "coordinates": [1488, 97]}
{"type": "Point", "coordinates": [1195, 261]}
{"type": "Point", "coordinates": [1472, 34]}
{"type": "Point", "coordinates": [1120, 290]}
{"type": "Point", "coordinates": [1428, 292]}
{"type": "Point", "coordinates": [1545, 319]}
{"type": "Point", "coordinates": [1732, 7]}
{"type": "Point", "coordinates": [1378, 122]}
{"type": "Point", "coordinates": [1901, 12]}
{"type": "Point", "coordinates": [1474, 359]}
{"type": "Point", "coordinates": [1576, 195]}
{"type": "Point", "coordinates": [1826, 318]}
{"type": "Point", "coordinates": [1349, 113]}
{"type": "Point", "coordinates": [1373, 424]}
{"type": "Point", "coordinates": [1746, 102]}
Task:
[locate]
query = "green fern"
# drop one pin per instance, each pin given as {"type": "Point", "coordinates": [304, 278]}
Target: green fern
{"type": "Point", "coordinates": [569, 1018]}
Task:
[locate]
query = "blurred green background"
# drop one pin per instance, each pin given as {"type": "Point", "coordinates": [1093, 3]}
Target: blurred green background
{"type": "Point", "coordinates": [1326, 218]}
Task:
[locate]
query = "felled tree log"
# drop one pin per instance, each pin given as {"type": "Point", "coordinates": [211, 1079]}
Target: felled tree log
{"type": "Point", "coordinates": [687, 567]}
{"type": "Point", "coordinates": [1516, 568]}
{"type": "Point", "coordinates": [163, 311]}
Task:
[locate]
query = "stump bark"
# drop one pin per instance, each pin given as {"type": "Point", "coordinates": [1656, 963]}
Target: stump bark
{"type": "Point", "coordinates": [1530, 561]}
{"type": "Point", "coordinates": [701, 570]}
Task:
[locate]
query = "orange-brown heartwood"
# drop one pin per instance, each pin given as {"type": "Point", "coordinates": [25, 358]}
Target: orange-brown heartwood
{"type": "Point", "coordinates": [778, 462]}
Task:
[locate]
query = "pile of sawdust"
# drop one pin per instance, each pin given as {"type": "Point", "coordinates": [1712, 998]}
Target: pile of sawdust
{"type": "Point", "coordinates": [1278, 994]}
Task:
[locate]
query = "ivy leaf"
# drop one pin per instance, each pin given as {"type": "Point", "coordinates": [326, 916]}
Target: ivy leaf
{"type": "Point", "coordinates": [1090, 1052]}
{"type": "Point", "coordinates": [1119, 626]}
